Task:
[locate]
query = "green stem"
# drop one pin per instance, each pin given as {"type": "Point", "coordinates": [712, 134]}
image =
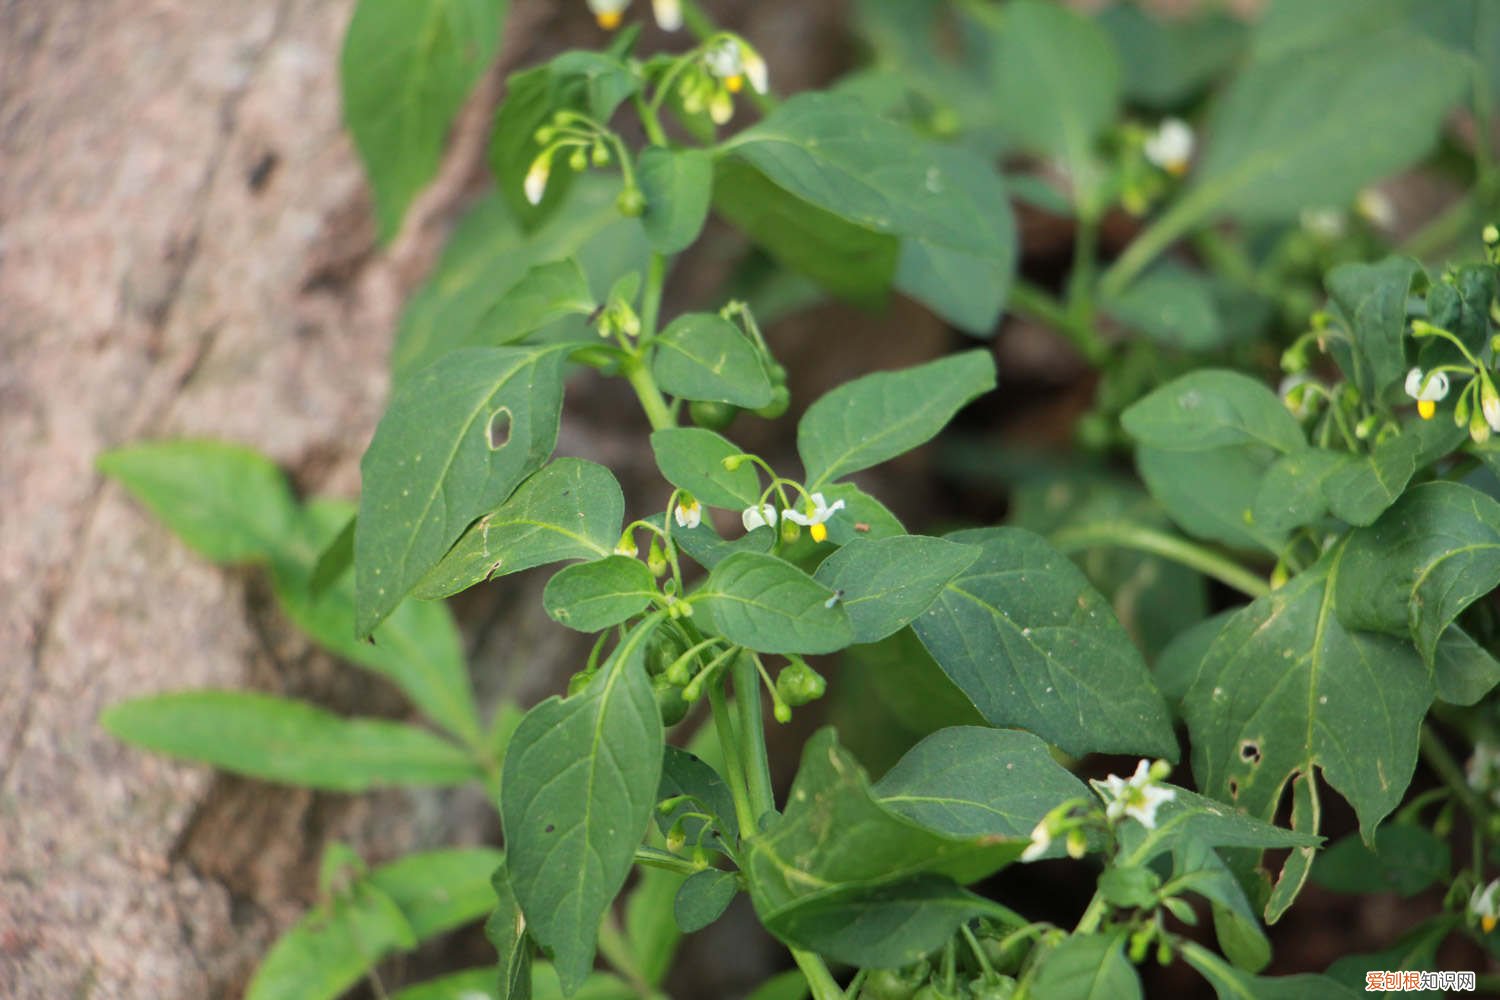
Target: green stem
{"type": "Point", "coordinates": [652, 401]}
{"type": "Point", "coordinates": [650, 121]}
{"type": "Point", "coordinates": [656, 276]}
{"type": "Point", "coordinates": [744, 812]}
{"type": "Point", "coordinates": [1081, 277]}
{"type": "Point", "coordinates": [753, 735]}
{"type": "Point", "coordinates": [650, 857]}
{"type": "Point", "coordinates": [1437, 757]}
{"type": "Point", "coordinates": [1125, 535]}
{"type": "Point", "coordinates": [1149, 245]}
{"type": "Point", "coordinates": [819, 979]}
{"type": "Point", "coordinates": [1033, 303]}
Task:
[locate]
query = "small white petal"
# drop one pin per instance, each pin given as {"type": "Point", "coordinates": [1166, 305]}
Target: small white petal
{"type": "Point", "coordinates": [1171, 145]}
{"type": "Point", "coordinates": [1414, 382]}
{"type": "Point", "coordinates": [536, 179]}
{"type": "Point", "coordinates": [755, 72]}
{"type": "Point", "coordinates": [763, 516]}
{"type": "Point", "coordinates": [668, 14]}
{"type": "Point", "coordinates": [1489, 402]}
{"type": "Point", "coordinates": [797, 517]}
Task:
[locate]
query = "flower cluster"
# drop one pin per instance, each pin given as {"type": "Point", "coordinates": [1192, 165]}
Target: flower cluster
{"type": "Point", "coordinates": [814, 517]}
{"type": "Point", "coordinates": [1431, 387]}
{"type": "Point", "coordinates": [609, 13]}
{"type": "Point", "coordinates": [1484, 905]}
{"type": "Point", "coordinates": [1170, 147]}
{"type": "Point", "coordinates": [726, 63]}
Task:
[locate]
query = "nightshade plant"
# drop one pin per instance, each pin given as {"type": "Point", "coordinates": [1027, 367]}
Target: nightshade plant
{"type": "Point", "coordinates": [1352, 509]}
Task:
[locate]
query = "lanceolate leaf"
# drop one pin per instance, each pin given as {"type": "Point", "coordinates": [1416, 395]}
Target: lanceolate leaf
{"type": "Point", "coordinates": [1032, 644]}
{"type": "Point", "coordinates": [877, 417]}
{"type": "Point", "coordinates": [1372, 301]}
{"type": "Point", "coordinates": [677, 185]}
{"type": "Point", "coordinates": [277, 739]}
{"type": "Point", "coordinates": [456, 439]}
{"type": "Point", "coordinates": [704, 356]}
{"type": "Point", "coordinates": [692, 458]}
{"type": "Point", "coordinates": [577, 793]}
{"type": "Point", "coordinates": [406, 68]}
{"type": "Point", "coordinates": [771, 606]}
{"type": "Point", "coordinates": [1285, 687]}
{"type": "Point", "coordinates": [570, 509]}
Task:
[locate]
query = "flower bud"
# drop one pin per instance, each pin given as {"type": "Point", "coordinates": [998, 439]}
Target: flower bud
{"type": "Point", "coordinates": [1479, 431]}
{"type": "Point", "coordinates": [656, 560]}
{"type": "Point", "coordinates": [578, 161]}
{"type": "Point", "coordinates": [798, 684]}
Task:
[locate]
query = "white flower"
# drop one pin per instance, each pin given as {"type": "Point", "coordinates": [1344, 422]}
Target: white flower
{"type": "Point", "coordinates": [668, 14]}
{"type": "Point", "coordinates": [608, 12]}
{"type": "Point", "coordinates": [1324, 223]}
{"type": "Point", "coordinates": [1041, 839]}
{"type": "Point", "coordinates": [763, 516]}
{"type": "Point", "coordinates": [1170, 147]}
{"type": "Point", "coordinates": [536, 178]}
{"type": "Point", "coordinates": [1138, 798]}
{"type": "Point", "coordinates": [1483, 771]}
{"type": "Point", "coordinates": [755, 71]}
{"type": "Point", "coordinates": [724, 60]}
{"type": "Point", "coordinates": [688, 513]}
{"type": "Point", "coordinates": [1489, 402]}
{"type": "Point", "coordinates": [815, 519]}
{"type": "Point", "coordinates": [1376, 209]}
{"type": "Point", "coordinates": [1485, 904]}
{"type": "Point", "coordinates": [1426, 390]}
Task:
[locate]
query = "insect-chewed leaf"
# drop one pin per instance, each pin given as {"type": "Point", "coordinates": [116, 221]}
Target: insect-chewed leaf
{"type": "Point", "coordinates": [705, 356]}
{"type": "Point", "coordinates": [456, 439]}
{"type": "Point", "coordinates": [577, 793]}
{"type": "Point", "coordinates": [885, 583]}
{"type": "Point", "coordinates": [769, 605]}
{"type": "Point", "coordinates": [592, 596]}
{"type": "Point", "coordinates": [841, 873]}
{"type": "Point", "coordinates": [277, 739]}
{"type": "Point", "coordinates": [394, 907]}
{"type": "Point", "coordinates": [968, 781]}
{"type": "Point", "coordinates": [1286, 687]}
{"type": "Point", "coordinates": [1032, 644]}
{"type": "Point", "coordinates": [1435, 552]}
{"type": "Point", "coordinates": [569, 509]}
{"type": "Point", "coordinates": [885, 414]}
{"type": "Point", "coordinates": [407, 66]}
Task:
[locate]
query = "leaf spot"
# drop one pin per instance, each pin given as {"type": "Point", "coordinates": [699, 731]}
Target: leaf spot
{"type": "Point", "coordinates": [498, 431]}
{"type": "Point", "coordinates": [1250, 752]}
{"type": "Point", "coordinates": [550, 828]}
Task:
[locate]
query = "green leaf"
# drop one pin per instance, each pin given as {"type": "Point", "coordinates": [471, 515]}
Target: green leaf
{"type": "Point", "coordinates": [1230, 983]}
{"type": "Point", "coordinates": [886, 583]}
{"type": "Point", "coordinates": [789, 985]}
{"type": "Point", "coordinates": [228, 503]}
{"type": "Point", "coordinates": [489, 253]}
{"type": "Point", "coordinates": [684, 774]}
{"type": "Point", "coordinates": [883, 926]}
{"type": "Point", "coordinates": [1189, 818]}
{"type": "Point", "coordinates": [1212, 408]}
{"type": "Point", "coordinates": [1361, 487]}
{"type": "Point", "coordinates": [1167, 62]}
{"type": "Point", "coordinates": [577, 793]}
{"type": "Point", "coordinates": [1210, 493]}
{"type": "Point", "coordinates": [1463, 671]}
{"type": "Point", "coordinates": [769, 605]}
{"type": "Point", "coordinates": [1180, 662]}
{"type": "Point", "coordinates": [419, 896]}
{"type": "Point", "coordinates": [592, 596]}
{"type": "Point", "coordinates": [885, 414]}
{"type": "Point", "coordinates": [849, 261]}
{"type": "Point", "coordinates": [703, 899]}
{"type": "Point", "coordinates": [545, 294]}
{"type": "Point", "coordinates": [1240, 934]}
{"type": "Point", "coordinates": [692, 458]}
{"type": "Point", "coordinates": [862, 517]}
{"type": "Point", "coordinates": [837, 872]}
{"type": "Point", "coordinates": [1295, 132]}
{"type": "Point", "coordinates": [569, 509]}
{"type": "Point", "coordinates": [947, 207]}
{"type": "Point", "coordinates": [277, 739]}
{"type": "Point", "coordinates": [1090, 967]}
{"type": "Point", "coordinates": [334, 560]}
{"type": "Point", "coordinates": [1371, 299]}
{"type": "Point", "coordinates": [506, 931]}
{"type": "Point", "coordinates": [1033, 645]}
{"type": "Point", "coordinates": [1290, 27]}
{"type": "Point", "coordinates": [677, 184]}
{"type": "Point", "coordinates": [1286, 687]}
{"type": "Point", "coordinates": [417, 648]}
{"type": "Point", "coordinates": [1427, 559]}
{"type": "Point", "coordinates": [704, 356]}
{"type": "Point", "coordinates": [456, 439]}
{"type": "Point", "coordinates": [1292, 493]}
{"type": "Point", "coordinates": [406, 68]}
{"type": "Point", "coordinates": [1051, 105]}
{"type": "Point", "coordinates": [967, 781]}
{"type": "Point", "coordinates": [1404, 859]}
{"type": "Point", "coordinates": [1171, 305]}
{"type": "Point", "coordinates": [1416, 950]}
{"type": "Point", "coordinates": [594, 83]}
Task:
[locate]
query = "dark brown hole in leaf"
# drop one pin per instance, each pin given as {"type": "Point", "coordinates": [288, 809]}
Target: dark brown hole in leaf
{"type": "Point", "coordinates": [498, 431]}
{"type": "Point", "coordinates": [1234, 789]}
{"type": "Point", "coordinates": [550, 828]}
{"type": "Point", "coordinates": [1250, 752]}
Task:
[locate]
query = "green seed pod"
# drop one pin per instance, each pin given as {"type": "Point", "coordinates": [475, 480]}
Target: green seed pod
{"type": "Point", "coordinates": [712, 415]}
{"type": "Point", "coordinates": [790, 531]}
{"type": "Point", "coordinates": [798, 684]}
{"type": "Point", "coordinates": [631, 202]}
{"type": "Point", "coordinates": [889, 984]}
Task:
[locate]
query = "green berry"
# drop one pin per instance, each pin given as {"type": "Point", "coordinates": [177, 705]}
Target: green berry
{"type": "Point", "coordinates": [631, 202]}
{"type": "Point", "coordinates": [712, 415]}
{"type": "Point", "coordinates": [780, 400]}
{"type": "Point", "coordinates": [669, 700]}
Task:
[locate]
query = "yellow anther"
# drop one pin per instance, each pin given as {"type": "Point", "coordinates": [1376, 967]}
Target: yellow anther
{"type": "Point", "coordinates": [1426, 408]}
{"type": "Point", "coordinates": [1488, 923]}
{"type": "Point", "coordinates": [819, 532]}
{"type": "Point", "coordinates": [609, 20]}
{"type": "Point", "coordinates": [735, 83]}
